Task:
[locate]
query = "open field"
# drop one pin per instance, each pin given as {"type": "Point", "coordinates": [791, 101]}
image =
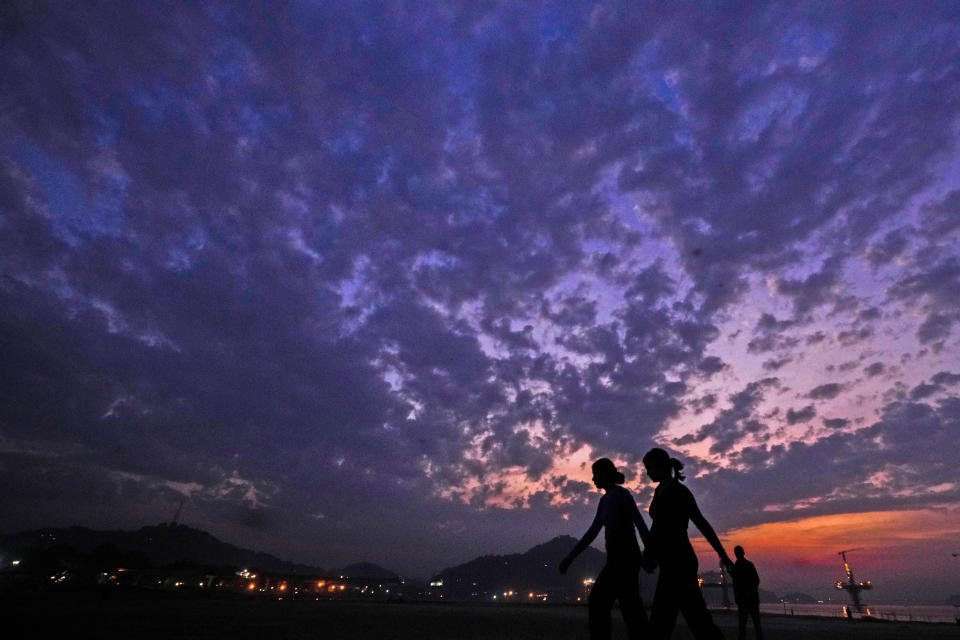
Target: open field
{"type": "Point", "coordinates": [242, 619]}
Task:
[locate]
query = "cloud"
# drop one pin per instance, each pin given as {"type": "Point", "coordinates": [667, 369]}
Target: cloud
{"type": "Point", "coordinates": [825, 391]}
{"type": "Point", "coordinates": [815, 289]}
{"type": "Point", "coordinates": [734, 423]}
{"type": "Point", "coordinates": [893, 244]}
{"type": "Point", "coordinates": [874, 369]}
{"type": "Point", "coordinates": [345, 260]}
{"type": "Point", "coordinates": [836, 423]}
{"type": "Point", "coordinates": [775, 364]}
{"type": "Point", "coordinates": [769, 335]}
{"type": "Point", "coordinates": [800, 415]}
{"type": "Point", "coordinates": [946, 378]}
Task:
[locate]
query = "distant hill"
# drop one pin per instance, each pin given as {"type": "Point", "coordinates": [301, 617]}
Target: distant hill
{"type": "Point", "coordinates": [533, 570]}
{"type": "Point", "coordinates": [161, 544]}
{"type": "Point", "coordinates": [798, 598]}
{"type": "Point", "coordinates": [366, 570]}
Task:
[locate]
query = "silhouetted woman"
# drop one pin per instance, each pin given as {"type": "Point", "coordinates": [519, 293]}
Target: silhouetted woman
{"type": "Point", "coordinates": [673, 506]}
{"type": "Point", "coordinates": [617, 514]}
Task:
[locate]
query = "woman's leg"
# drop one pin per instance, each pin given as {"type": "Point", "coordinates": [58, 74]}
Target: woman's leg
{"type": "Point", "coordinates": [663, 613]}
{"type": "Point", "coordinates": [631, 605]}
{"type": "Point", "coordinates": [695, 612]}
{"type": "Point", "coordinates": [600, 603]}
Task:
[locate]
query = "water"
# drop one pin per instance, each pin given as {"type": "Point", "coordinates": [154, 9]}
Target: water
{"type": "Point", "coordinates": [899, 612]}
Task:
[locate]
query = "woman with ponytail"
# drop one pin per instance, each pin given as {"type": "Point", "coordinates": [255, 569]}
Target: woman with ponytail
{"type": "Point", "coordinates": [618, 580]}
{"type": "Point", "coordinates": [671, 509]}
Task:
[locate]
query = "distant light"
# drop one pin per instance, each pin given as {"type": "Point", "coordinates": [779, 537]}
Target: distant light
{"type": "Point", "coordinates": [16, 563]}
{"type": "Point", "coordinates": [283, 587]}
{"type": "Point", "coordinates": [530, 595]}
{"type": "Point", "coordinates": [342, 587]}
{"type": "Point", "coordinates": [252, 586]}
{"type": "Point", "coordinates": [320, 584]}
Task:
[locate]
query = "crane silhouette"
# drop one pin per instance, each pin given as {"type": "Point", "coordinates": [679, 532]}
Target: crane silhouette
{"type": "Point", "coordinates": [176, 516]}
{"type": "Point", "coordinates": [851, 585]}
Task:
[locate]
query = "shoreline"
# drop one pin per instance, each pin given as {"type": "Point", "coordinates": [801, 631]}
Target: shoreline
{"type": "Point", "coordinates": [243, 618]}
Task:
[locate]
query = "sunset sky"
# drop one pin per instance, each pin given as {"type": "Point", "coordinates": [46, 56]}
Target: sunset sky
{"type": "Point", "coordinates": [378, 280]}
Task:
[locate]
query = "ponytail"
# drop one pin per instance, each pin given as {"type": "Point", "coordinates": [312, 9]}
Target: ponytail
{"type": "Point", "coordinates": [677, 467]}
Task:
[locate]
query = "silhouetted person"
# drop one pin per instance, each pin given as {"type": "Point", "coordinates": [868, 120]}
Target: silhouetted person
{"type": "Point", "coordinates": [617, 514]}
{"type": "Point", "coordinates": [746, 593]}
{"type": "Point", "coordinates": [678, 591]}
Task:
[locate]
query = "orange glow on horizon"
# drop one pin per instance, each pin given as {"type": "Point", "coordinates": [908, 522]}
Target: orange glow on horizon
{"type": "Point", "coordinates": [814, 541]}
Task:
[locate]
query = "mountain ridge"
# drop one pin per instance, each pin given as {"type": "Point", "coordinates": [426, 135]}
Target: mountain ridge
{"type": "Point", "coordinates": [162, 544]}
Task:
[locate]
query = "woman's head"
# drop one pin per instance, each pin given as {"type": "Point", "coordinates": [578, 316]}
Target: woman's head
{"type": "Point", "coordinates": [605, 473]}
{"type": "Point", "coordinates": [660, 466]}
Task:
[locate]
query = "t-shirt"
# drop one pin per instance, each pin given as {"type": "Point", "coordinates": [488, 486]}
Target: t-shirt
{"type": "Point", "coordinates": [617, 513]}
{"type": "Point", "coordinates": [670, 511]}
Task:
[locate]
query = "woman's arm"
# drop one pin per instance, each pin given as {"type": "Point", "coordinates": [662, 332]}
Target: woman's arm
{"type": "Point", "coordinates": [701, 522]}
{"type": "Point", "coordinates": [584, 542]}
{"type": "Point", "coordinates": [640, 524]}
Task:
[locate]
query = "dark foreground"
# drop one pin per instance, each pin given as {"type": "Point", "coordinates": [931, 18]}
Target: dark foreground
{"type": "Point", "coordinates": [278, 620]}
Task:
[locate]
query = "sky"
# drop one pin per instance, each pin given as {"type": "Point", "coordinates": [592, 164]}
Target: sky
{"type": "Point", "coordinates": [378, 281]}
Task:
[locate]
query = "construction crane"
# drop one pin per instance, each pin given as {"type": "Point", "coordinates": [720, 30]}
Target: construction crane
{"type": "Point", "coordinates": [851, 585]}
{"type": "Point", "coordinates": [723, 585]}
{"type": "Point", "coordinates": [176, 516]}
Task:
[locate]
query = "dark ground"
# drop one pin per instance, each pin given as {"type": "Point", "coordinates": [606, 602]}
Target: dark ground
{"type": "Point", "coordinates": [243, 619]}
